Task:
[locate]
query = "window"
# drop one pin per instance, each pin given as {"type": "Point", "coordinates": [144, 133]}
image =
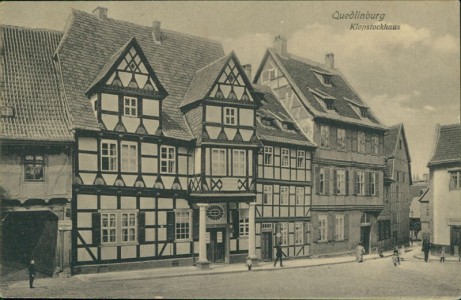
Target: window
{"type": "Point", "coordinates": [341, 182]}
{"type": "Point", "coordinates": [129, 157]}
{"type": "Point", "coordinates": [329, 103]}
{"type": "Point", "coordinates": [361, 183]}
{"type": "Point", "coordinates": [230, 116]}
{"type": "Point", "coordinates": [374, 144]}
{"type": "Point", "coordinates": [299, 233]}
{"type": "Point", "coordinates": [363, 112]}
{"type": "Point", "coordinates": [284, 194]}
{"type": "Point", "coordinates": [327, 79]}
{"type": "Point", "coordinates": [167, 159]}
{"type": "Point", "coordinates": [34, 167]}
{"type": "Point", "coordinates": [109, 156]}
{"type": "Point", "coordinates": [239, 163]}
{"type": "Point", "coordinates": [130, 106]}
{"type": "Point", "coordinates": [384, 230]}
{"type": "Point", "coordinates": [455, 180]}
{"type": "Point", "coordinates": [109, 228]}
{"type": "Point", "coordinates": [322, 182]}
{"type": "Point", "coordinates": [361, 142]}
{"type": "Point", "coordinates": [300, 159]}
{"type": "Point", "coordinates": [339, 227]}
{"type": "Point", "coordinates": [284, 233]}
{"type": "Point", "coordinates": [372, 183]}
{"type": "Point", "coordinates": [397, 193]}
{"type": "Point", "coordinates": [128, 227]}
{"type": "Point", "coordinates": [218, 159]}
{"type": "Point", "coordinates": [299, 195]}
{"type": "Point", "coordinates": [323, 228]}
{"type": "Point", "coordinates": [244, 223]}
{"type": "Point", "coordinates": [285, 157]}
{"type": "Point", "coordinates": [182, 224]}
{"type": "Point", "coordinates": [324, 136]}
{"type": "Point", "coordinates": [341, 139]}
{"type": "Point", "coordinates": [268, 155]}
{"type": "Point", "coordinates": [267, 194]}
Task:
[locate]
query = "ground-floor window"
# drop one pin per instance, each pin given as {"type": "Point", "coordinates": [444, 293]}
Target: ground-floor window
{"type": "Point", "coordinates": [323, 228]}
{"type": "Point", "coordinates": [284, 233]}
{"type": "Point", "coordinates": [244, 222]}
{"type": "Point", "coordinates": [183, 220]}
{"type": "Point", "coordinates": [299, 233]}
{"type": "Point", "coordinates": [339, 227]}
{"type": "Point", "coordinates": [118, 227]}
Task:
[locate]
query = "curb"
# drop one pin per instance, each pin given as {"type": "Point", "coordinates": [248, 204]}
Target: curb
{"type": "Point", "coordinates": [435, 259]}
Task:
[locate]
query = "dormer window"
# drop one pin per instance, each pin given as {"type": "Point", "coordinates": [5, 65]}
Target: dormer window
{"type": "Point", "coordinates": [266, 121]}
{"type": "Point", "coordinates": [363, 112]}
{"type": "Point", "coordinates": [329, 104]}
{"type": "Point", "coordinates": [287, 126]}
{"type": "Point", "coordinates": [7, 112]}
{"type": "Point", "coordinates": [327, 79]}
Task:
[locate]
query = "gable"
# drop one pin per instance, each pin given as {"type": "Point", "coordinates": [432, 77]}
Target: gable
{"type": "Point", "coordinates": [231, 83]}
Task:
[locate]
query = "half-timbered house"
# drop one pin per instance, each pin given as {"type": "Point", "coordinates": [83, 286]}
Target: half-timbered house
{"type": "Point", "coordinates": [348, 163]}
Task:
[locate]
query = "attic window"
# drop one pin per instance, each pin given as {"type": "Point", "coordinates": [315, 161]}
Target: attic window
{"type": "Point", "coordinates": [329, 103]}
{"type": "Point", "coordinates": [363, 112]}
{"type": "Point", "coordinates": [266, 121]}
{"type": "Point", "coordinates": [287, 126]}
{"type": "Point", "coordinates": [327, 79]}
{"type": "Point", "coordinates": [7, 112]}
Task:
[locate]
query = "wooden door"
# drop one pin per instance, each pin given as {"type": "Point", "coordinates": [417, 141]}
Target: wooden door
{"type": "Point", "coordinates": [266, 246]}
{"type": "Point", "coordinates": [455, 240]}
{"type": "Point", "coordinates": [365, 237]}
{"type": "Point", "coordinates": [216, 245]}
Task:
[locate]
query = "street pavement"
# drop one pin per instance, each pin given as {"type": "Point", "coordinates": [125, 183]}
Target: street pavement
{"type": "Point", "coordinates": [336, 277]}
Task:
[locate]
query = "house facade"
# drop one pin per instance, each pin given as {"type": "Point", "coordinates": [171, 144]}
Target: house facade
{"type": "Point", "coordinates": [348, 165]}
{"type": "Point", "coordinates": [36, 153]}
{"type": "Point", "coordinates": [444, 220]}
{"type": "Point", "coordinates": [394, 223]}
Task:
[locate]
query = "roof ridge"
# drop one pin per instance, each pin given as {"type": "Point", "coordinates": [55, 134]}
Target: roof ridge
{"type": "Point", "coordinates": [455, 125]}
{"type": "Point", "coordinates": [31, 29]}
{"type": "Point", "coordinates": [212, 63]}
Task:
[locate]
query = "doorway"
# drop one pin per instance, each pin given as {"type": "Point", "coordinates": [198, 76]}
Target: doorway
{"type": "Point", "coordinates": [365, 237]}
{"type": "Point", "coordinates": [266, 246]}
{"type": "Point", "coordinates": [215, 248]}
{"type": "Point", "coordinates": [455, 240]}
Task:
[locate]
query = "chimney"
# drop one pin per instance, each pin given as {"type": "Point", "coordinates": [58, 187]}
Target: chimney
{"type": "Point", "coordinates": [100, 12]}
{"type": "Point", "coordinates": [280, 45]}
{"type": "Point", "coordinates": [247, 69]}
{"type": "Point", "coordinates": [156, 32]}
{"type": "Point", "coordinates": [330, 60]}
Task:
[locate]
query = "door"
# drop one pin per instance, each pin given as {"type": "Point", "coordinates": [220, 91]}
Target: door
{"type": "Point", "coordinates": [215, 244]}
{"type": "Point", "coordinates": [266, 246]}
{"type": "Point", "coordinates": [455, 240]}
{"type": "Point", "coordinates": [365, 237]}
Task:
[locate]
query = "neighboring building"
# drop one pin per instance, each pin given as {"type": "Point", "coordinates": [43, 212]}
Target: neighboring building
{"type": "Point", "coordinates": [418, 191]}
{"type": "Point", "coordinates": [36, 152]}
{"type": "Point", "coordinates": [349, 161]}
{"type": "Point", "coordinates": [164, 134]}
{"type": "Point", "coordinates": [445, 189]}
{"type": "Point", "coordinates": [397, 197]}
{"type": "Point", "coordinates": [284, 182]}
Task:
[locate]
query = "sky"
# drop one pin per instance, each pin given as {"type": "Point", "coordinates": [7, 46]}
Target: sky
{"type": "Point", "coordinates": [409, 76]}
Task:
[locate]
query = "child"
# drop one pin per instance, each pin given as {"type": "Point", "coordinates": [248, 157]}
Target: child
{"type": "Point", "coordinates": [249, 263]}
{"type": "Point", "coordinates": [395, 258]}
{"type": "Point", "coordinates": [442, 255]}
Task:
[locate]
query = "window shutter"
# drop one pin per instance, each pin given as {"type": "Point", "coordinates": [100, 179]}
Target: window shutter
{"type": "Point", "coordinates": [333, 133]}
{"type": "Point", "coordinates": [315, 227]}
{"type": "Point", "coordinates": [327, 180]}
{"type": "Point", "coordinates": [355, 183]}
{"type": "Point", "coordinates": [306, 233]}
{"type": "Point", "coordinates": [330, 227]}
{"type": "Point", "coordinates": [141, 227]}
{"type": "Point", "coordinates": [367, 183]}
{"type": "Point", "coordinates": [346, 226]}
{"type": "Point", "coordinates": [196, 224]}
{"type": "Point", "coordinates": [335, 182]}
{"type": "Point", "coordinates": [347, 182]}
{"type": "Point", "coordinates": [236, 223]}
{"type": "Point", "coordinates": [354, 141]}
{"type": "Point", "coordinates": [96, 228]}
{"type": "Point", "coordinates": [377, 183]}
{"type": "Point", "coordinates": [367, 143]}
{"type": "Point", "coordinates": [348, 140]}
{"type": "Point", "coordinates": [170, 226]}
{"type": "Point", "coordinates": [317, 180]}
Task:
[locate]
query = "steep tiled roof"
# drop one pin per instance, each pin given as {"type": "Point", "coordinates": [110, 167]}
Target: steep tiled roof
{"type": "Point", "coordinates": [390, 140]}
{"type": "Point", "coordinates": [203, 81]}
{"type": "Point", "coordinates": [271, 108]}
{"type": "Point", "coordinates": [302, 73]}
{"type": "Point", "coordinates": [30, 85]}
{"type": "Point", "coordinates": [448, 145]}
{"type": "Point", "coordinates": [90, 42]}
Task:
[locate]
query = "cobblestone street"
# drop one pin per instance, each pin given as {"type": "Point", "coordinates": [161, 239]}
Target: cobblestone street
{"type": "Point", "coordinates": [371, 279]}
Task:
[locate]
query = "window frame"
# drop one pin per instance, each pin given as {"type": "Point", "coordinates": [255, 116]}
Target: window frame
{"type": "Point", "coordinates": [286, 195]}
{"type": "Point", "coordinates": [322, 181]}
{"type": "Point", "coordinates": [112, 158]}
{"type": "Point", "coordinates": [34, 163]}
{"type": "Point", "coordinates": [372, 184]}
{"type": "Point", "coordinates": [128, 165]}
{"type": "Point", "coordinates": [244, 222]}
{"type": "Point", "coordinates": [167, 164]}
{"type": "Point", "coordinates": [300, 195]}
{"type": "Point", "coordinates": [268, 156]}
{"type": "Point", "coordinates": [230, 116]}
{"type": "Point", "coordinates": [361, 142]}
{"type": "Point", "coordinates": [185, 233]}
{"type": "Point", "coordinates": [239, 162]}
{"type": "Point", "coordinates": [374, 144]}
{"type": "Point", "coordinates": [339, 230]}
{"type": "Point", "coordinates": [285, 157]}
{"type": "Point", "coordinates": [323, 227]}
{"type": "Point", "coordinates": [361, 183]}
{"type": "Point", "coordinates": [324, 136]}
{"type": "Point", "coordinates": [455, 180]}
{"type": "Point", "coordinates": [270, 195]}
{"type": "Point", "coordinates": [219, 162]}
{"type": "Point", "coordinates": [284, 233]}
{"type": "Point", "coordinates": [118, 227]}
{"type": "Point", "coordinates": [109, 228]}
{"type": "Point", "coordinates": [301, 159]}
{"type": "Point", "coordinates": [132, 108]}
{"type": "Point", "coordinates": [299, 233]}
{"type": "Point", "coordinates": [341, 181]}
{"type": "Point", "coordinates": [129, 227]}
{"type": "Point", "coordinates": [341, 139]}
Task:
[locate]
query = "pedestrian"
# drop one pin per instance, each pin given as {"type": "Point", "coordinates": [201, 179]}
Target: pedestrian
{"type": "Point", "coordinates": [249, 263]}
{"type": "Point", "coordinates": [442, 255]}
{"type": "Point", "coordinates": [279, 254]}
{"type": "Point", "coordinates": [396, 255]}
{"type": "Point", "coordinates": [359, 252]}
{"type": "Point", "coordinates": [401, 252]}
{"type": "Point", "coordinates": [31, 271]}
{"type": "Point", "coordinates": [426, 249]}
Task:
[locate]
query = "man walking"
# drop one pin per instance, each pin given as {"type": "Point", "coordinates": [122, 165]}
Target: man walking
{"type": "Point", "coordinates": [426, 248]}
{"type": "Point", "coordinates": [279, 254]}
{"type": "Point", "coordinates": [31, 273]}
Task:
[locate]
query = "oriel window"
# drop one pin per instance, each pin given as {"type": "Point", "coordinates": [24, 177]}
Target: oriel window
{"type": "Point", "coordinates": [34, 167]}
